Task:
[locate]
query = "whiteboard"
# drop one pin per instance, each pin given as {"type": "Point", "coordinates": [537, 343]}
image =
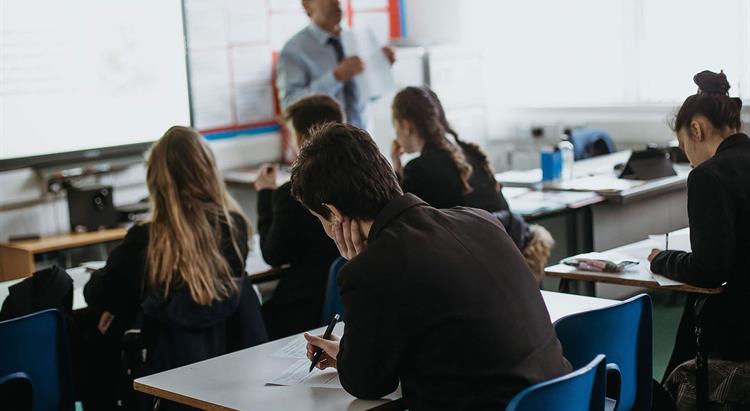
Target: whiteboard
{"type": "Point", "coordinates": [232, 45]}
{"type": "Point", "coordinates": [83, 74]}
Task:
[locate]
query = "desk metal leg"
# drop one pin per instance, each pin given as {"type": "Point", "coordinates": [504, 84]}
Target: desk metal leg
{"type": "Point", "coordinates": [588, 230]}
{"type": "Point", "coordinates": [701, 358]}
{"type": "Point", "coordinates": [564, 286]}
{"type": "Point", "coordinates": [571, 232]}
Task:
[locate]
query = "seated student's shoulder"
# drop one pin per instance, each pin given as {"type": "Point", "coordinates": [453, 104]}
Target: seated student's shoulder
{"type": "Point", "coordinates": [379, 261]}
{"type": "Point", "coordinates": [285, 190]}
{"type": "Point", "coordinates": [473, 215]}
{"type": "Point", "coordinates": [138, 233]}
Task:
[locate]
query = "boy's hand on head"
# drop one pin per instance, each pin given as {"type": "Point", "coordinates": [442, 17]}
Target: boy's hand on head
{"type": "Point", "coordinates": [347, 235]}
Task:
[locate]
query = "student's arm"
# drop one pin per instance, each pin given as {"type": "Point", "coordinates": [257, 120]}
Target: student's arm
{"type": "Point", "coordinates": [712, 236]}
{"type": "Point", "coordinates": [294, 81]}
{"type": "Point", "coordinates": [370, 350]}
{"type": "Point", "coordinates": [117, 286]}
{"type": "Point", "coordinates": [281, 226]}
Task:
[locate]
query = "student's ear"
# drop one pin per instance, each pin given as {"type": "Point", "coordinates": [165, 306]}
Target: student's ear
{"type": "Point", "coordinates": [336, 216]}
{"type": "Point", "coordinates": [697, 129]}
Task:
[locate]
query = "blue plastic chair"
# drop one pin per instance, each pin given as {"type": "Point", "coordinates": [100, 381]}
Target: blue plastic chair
{"type": "Point", "coordinates": [584, 138]}
{"type": "Point", "coordinates": [37, 344]}
{"type": "Point", "coordinates": [624, 334]}
{"type": "Point", "coordinates": [332, 303]}
{"type": "Point", "coordinates": [582, 389]}
{"type": "Point", "coordinates": [16, 391]}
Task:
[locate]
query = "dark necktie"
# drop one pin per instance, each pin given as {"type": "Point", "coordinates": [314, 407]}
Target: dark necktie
{"type": "Point", "coordinates": [349, 87]}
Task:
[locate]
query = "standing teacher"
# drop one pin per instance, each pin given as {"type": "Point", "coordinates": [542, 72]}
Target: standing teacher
{"type": "Point", "coordinates": [313, 62]}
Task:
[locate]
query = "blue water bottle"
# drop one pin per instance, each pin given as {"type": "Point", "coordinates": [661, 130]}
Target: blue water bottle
{"type": "Point", "coordinates": [551, 165]}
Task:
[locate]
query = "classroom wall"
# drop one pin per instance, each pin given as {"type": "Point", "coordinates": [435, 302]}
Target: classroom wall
{"type": "Point", "coordinates": [26, 207]}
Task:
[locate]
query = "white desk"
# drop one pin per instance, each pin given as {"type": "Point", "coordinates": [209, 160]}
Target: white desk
{"type": "Point", "coordinates": [237, 380]}
{"type": "Point", "coordinates": [594, 166]}
{"type": "Point", "coordinates": [638, 276]}
{"type": "Point", "coordinates": [597, 174]}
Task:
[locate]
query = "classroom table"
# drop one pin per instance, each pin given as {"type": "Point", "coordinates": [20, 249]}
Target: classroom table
{"type": "Point", "coordinates": [657, 204]}
{"type": "Point", "coordinates": [641, 276]}
{"type": "Point", "coordinates": [575, 207]}
{"type": "Point", "coordinates": [256, 268]}
{"type": "Point", "coordinates": [638, 276]}
{"type": "Point", "coordinates": [597, 174]}
{"type": "Point", "coordinates": [238, 380]}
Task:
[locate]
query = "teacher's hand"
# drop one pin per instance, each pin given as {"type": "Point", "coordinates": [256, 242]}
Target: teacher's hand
{"type": "Point", "coordinates": [390, 54]}
{"type": "Point", "coordinates": [348, 68]}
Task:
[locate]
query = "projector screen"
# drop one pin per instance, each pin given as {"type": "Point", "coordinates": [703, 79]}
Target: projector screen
{"type": "Point", "coordinates": [89, 74]}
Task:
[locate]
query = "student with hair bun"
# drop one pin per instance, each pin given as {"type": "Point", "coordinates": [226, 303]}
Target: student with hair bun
{"type": "Point", "coordinates": [455, 173]}
{"type": "Point", "coordinates": [708, 128]}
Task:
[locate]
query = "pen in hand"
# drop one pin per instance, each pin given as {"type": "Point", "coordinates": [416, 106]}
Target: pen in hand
{"type": "Point", "coordinates": [666, 246]}
{"type": "Point", "coordinates": [326, 335]}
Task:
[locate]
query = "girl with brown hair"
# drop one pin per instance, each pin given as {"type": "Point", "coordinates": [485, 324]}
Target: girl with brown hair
{"type": "Point", "coordinates": [448, 174]}
{"type": "Point", "coordinates": [183, 272]}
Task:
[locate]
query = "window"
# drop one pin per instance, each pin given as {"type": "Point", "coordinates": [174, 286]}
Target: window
{"type": "Point", "coordinates": [547, 53]}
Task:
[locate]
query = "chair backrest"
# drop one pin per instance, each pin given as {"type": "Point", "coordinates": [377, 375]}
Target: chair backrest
{"type": "Point", "coordinates": [621, 332]}
{"type": "Point", "coordinates": [16, 391]}
{"type": "Point", "coordinates": [580, 390]}
{"type": "Point", "coordinates": [37, 344]}
{"type": "Point", "coordinates": [590, 142]}
{"type": "Point", "coordinates": [332, 303]}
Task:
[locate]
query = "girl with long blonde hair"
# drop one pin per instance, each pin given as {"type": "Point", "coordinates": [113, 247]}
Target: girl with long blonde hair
{"type": "Point", "coordinates": [189, 206]}
{"type": "Point", "coordinates": [179, 277]}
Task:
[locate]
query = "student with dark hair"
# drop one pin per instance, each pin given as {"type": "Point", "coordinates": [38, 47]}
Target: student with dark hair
{"type": "Point", "coordinates": [448, 174]}
{"type": "Point", "coordinates": [289, 235]}
{"type": "Point", "coordinates": [708, 128]}
{"type": "Point", "coordinates": [438, 300]}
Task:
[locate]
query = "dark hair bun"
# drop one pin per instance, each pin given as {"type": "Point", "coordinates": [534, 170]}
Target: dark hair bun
{"type": "Point", "coordinates": [710, 82]}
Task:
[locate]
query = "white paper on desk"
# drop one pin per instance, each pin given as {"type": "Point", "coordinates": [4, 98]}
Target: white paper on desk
{"type": "Point", "coordinates": [679, 241]}
{"type": "Point", "coordinates": [297, 349]}
{"type": "Point", "coordinates": [664, 281]}
{"type": "Point", "coordinates": [640, 254]}
{"type": "Point", "coordinates": [377, 78]}
{"type": "Point", "coordinates": [600, 183]}
{"type": "Point", "coordinates": [298, 374]}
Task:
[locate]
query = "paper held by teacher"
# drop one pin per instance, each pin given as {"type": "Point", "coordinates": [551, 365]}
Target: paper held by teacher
{"type": "Point", "coordinates": [377, 78]}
